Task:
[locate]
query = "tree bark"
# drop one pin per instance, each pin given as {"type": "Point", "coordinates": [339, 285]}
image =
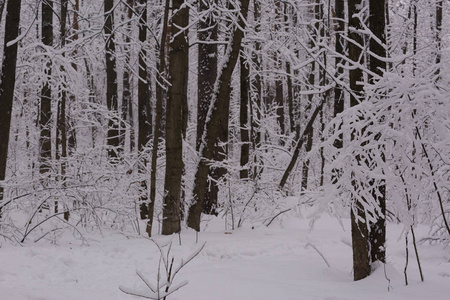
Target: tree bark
{"type": "Point", "coordinates": [61, 131]}
{"type": "Point", "coordinates": [360, 235]}
{"type": "Point", "coordinates": [7, 83]}
{"type": "Point", "coordinates": [243, 120]}
{"type": "Point", "coordinates": [279, 90]}
{"type": "Point", "coordinates": [178, 77]}
{"type": "Point", "coordinates": [207, 75]}
{"type": "Point", "coordinates": [220, 102]}
{"type": "Point", "coordinates": [377, 25]}
{"type": "Point", "coordinates": [160, 93]}
{"type": "Point", "coordinates": [45, 112]}
{"type": "Point", "coordinates": [339, 47]}
{"type": "Point", "coordinates": [126, 79]}
{"type": "Point", "coordinates": [144, 111]}
{"type": "Point", "coordinates": [438, 38]}
{"type": "Point", "coordinates": [111, 81]}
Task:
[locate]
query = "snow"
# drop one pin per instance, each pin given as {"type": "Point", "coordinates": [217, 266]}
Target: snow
{"type": "Point", "coordinates": [282, 262]}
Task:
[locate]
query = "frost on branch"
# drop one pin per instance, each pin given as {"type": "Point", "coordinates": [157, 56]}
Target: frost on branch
{"type": "Point", "coordinates": [401, 135]}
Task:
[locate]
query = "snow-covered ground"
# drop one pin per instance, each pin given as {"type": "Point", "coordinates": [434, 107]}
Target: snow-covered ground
{"type": "Point", "coordinates": [283, 262]}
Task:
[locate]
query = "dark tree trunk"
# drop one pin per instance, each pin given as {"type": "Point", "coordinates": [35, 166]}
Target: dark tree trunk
{"type": "Point", "coordinates": [126, 79]}
{"type": "Point", "coordinates": [279, 90]}
{"type": "Point", "coordinates": [290, 91]}
{"type": "Point", "coordinates": [160, 94]}
{"type": "Point", "coordinates": [45, 112]}
{"type": "Point", "coordinates": [311, 82]}
{"type": "Point", "coordinates": [309, 135]}
{"type": "Point", "coordinates": [7, 83]}
{"type": "Point", "coordinates": [220, 102]}
{"type": "Point", "coordinates": [256, 101]}
{"type": "Point", "coordinates": [360, 245]}
{"type": "Point", "coordinates": [71, 130]}
{"type": "Point", "coordinates": [178, 77]}
{"type": "Point", "coordinates": [243, 119]}
{"type": "Point", "coordinates": [111, 81]}
{"type": "Point", "coordinates": [144, 111]}
{"type": "Point", "coordinates": [279, 100]}
{"type": "Point", "coordinates": [61, 131]}
{"type": "Point", "coordinates": [360, 238]}
{"type": "Point", "coordinates": [377, 24]}
{"type": "Point", "coordinates": [438, 38]}
{"type": "Point", "coordinates": [339, 47]}
{"type": "Point", "coordinates": [207, 74]}
{"type": "Point", "coordinates": [301, 139]}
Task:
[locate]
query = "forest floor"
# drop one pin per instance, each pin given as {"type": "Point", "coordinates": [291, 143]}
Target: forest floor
{"type": "Point", "coordinates": [286, 261]}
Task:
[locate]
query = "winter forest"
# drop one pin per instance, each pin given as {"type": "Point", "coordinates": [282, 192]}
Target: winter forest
{"type": "Point", "coordinates": [224, 149]}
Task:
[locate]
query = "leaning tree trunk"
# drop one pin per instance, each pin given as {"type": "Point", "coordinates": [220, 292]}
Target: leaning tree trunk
{"type": "Point", "coordinates": [45, 111]}
{"type": "Point", "coordinates": [7, 83]}
{"type": "Point", "coordinates": [178, 78]}
{"type": "Point", "coordinates": [219, 103]}
{"type": "Point", "coordinates": [360, 234]}
{"type": "Point", "coordinates": [111, 81]}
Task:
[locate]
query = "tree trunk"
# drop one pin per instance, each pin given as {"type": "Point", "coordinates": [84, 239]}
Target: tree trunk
{"type": "Point", "coordinates": [360, 238]}
{"type": "Point", "coordinates": [71, 128]}
{"type": "Point", "coordinates": [339, 47]}
{"type": "Point", "coordinates": [178, 77]}
{"type": "Point", "coordinates": [302, 138]}
{"type": "Point", "coordinates": [126, 79]}
{"type": "Point", "coordinates": [160, 94]}
{"type": "Point", "coordinates": [144, 111]}
{"type": "Point", "coordinates": [207, 74]}
{"type": "Point", "coordinates": [256, 101]}
{"type": "Point", "coordinates": [61, 131]}
{"type": "Point", "coordinates": [279, 90]}
{"type": "Point", "coordinates": [308, 138]}
{"type": "Point", "coordinates": [45, 143]}
{"type": "Point", "coordinates": [243, 119]}
{"type": "Point", "coordinates": [7, 83]}
{"type": "Point", "coordinates": [377, 24]}
{"type": "Point", "coordinates": [219, 103]}
{"type": "Point", "coordinates": [111, 81]}
{"type": "Point", "coordinates": [438, 38]}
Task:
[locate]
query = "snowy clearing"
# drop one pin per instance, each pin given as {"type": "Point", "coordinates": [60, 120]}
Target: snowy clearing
{"type": "Point", "coordinates": [281, 262]}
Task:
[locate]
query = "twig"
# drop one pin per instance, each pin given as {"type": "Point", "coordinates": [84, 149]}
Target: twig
{"type": "Point", "coordinates": [318, 251]}
{"type": "Point", "coordinates": [281, 212]}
